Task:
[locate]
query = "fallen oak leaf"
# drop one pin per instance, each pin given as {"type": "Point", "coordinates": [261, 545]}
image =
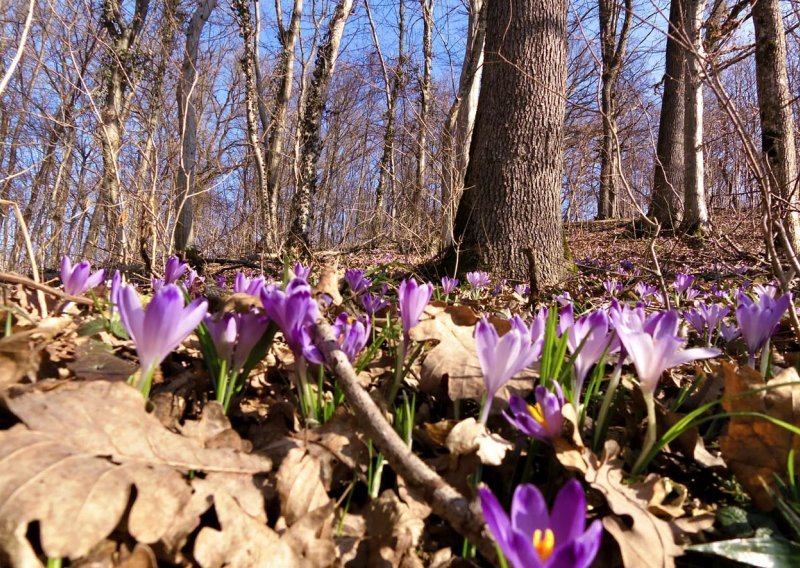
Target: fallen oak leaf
{"type": "Point", "coordinates": [73, 462]}
{"type": "Point", "coordinates": [470, 436]}
{"type": "Point", "coordinates": [754, 448]}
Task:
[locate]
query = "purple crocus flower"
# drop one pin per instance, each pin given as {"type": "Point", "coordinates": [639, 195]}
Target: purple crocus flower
{"type": "Point", "coordinates": [588, 338]}
{"type": "Point", "coordinates": [449, 284]}
{"type": "Point", "coordinates": [498, 288]}
{"type": "Point", "coordinates": [351, 334]}
{"type": "Point", "coordinates": [692, 294]}
{"type": "Point", "coordinates": [235, 335]}
{"type": "Point", "coordinates": [301, 271]}
{"type": "Point", "coordinates": [502, 357]}
{"type": "Point", "coordinates": [728, 331]}
{"type": "Point", "coordinates": [657, 347]}
{"type": "Point", "coordinates": [373, 303]}
{"type": "Point", "coordinates": [532, 537]}
{"type": "Point", "coordinates": [542, 420]}
{"type": "Point", "coordinates": [478, 279]}
{"type": "Point", "coordinates": [770, 290]}
{"type": "Point", "coordinates": [610, 287]}
{"type": "Point", "coordinates": [758, 320]}
{"type": "Point", "coordinates": [645, 290]}
{"type": "Point", "coordinates": [174, 269]}
{"type": "Point", "coordinates": [626, 265]}
{"type": "Point", "coordinates": [244, 285]}
{"type": "Point", "coordinates": [158, 330]}
{"type": "Point", "coordinates": [413, 298]}
{"type": "Point", "coordinates": [564, 299]}
{"type": "Point", "coordinates": [292, 311]}
{"type": "Point", "coordinates": [695, 319]}
{"type": "Point", "coordinates": [706, 316]}
{"type": "Point", "coordinates": [683, 282]}
{"type": "Point", "coordinates": [356, 280]}
{"type": "Point", "coordinates": [522, 289]}
{"type": "Point", "coordinates": [79, 279]}
{"type": "Point", "coordinates": [221, 281]}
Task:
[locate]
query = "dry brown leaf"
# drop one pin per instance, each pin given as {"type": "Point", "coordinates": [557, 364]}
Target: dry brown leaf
{"type": "Point", "coordinates": [470, 436]}
{"type": "Point", "coordinates": [644, 539]}
{"type": "Point", "coordinates": [329, 278]}
{"type": "Point", "coordinates": [311, 537]}
{"type": "Point", "coordinates": [754, 448]}
{"type": "Point", "coordinates": [666, 497]}
{"type": "Point", "coordinates": [299, 485]}
{"type": "Point", "coordinates": [73, 463]}
{"type": "Point", "coordinates": [455, 359]}
{"type": "Point", "coordinates": [393, 531]}
{"type": "Point", "coordinates": [21, 352]}
{"type": "Point", "coordinates": [243, 542]}
{"type": "Point", "coordinates": [214, 430]}
{"type": "Point", "coordinates": [95, 360]}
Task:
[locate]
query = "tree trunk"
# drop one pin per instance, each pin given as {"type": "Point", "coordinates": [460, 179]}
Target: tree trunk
{"type": "Point", "coordinates": [612, 47]}
{"type": "Point", "coordinates": [311, 126]}
{"type": "Point", "coordinates": [283, 95]}
{"type": "Point", "coordinates": [777, 122]}
{"type": "Point", "coordinates": [424, 102]}
{"type": "Point", "coordinates": [121, 69]}
{"type": "Point", "coordinates": [510, 210]}
{"type": "Point", "coordinates": [248, 61]}
{"type": "Point", "coordinates": [458, 128]}
{"type": "Point", "coordinates": [187, 115]}
{"type": "Point", "coordinates": [695, 213]}
{"type": "Point", "coordinates": [668, 177]}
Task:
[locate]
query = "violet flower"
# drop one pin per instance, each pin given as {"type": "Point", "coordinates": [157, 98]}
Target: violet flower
{"type": "Point", "coordinates": [706, 316]}
{"type": "Point", "coordinates": [235, 335]}
{"type": "Point", "coordinates": [682, 282]}
{"type": "Point", "coordinates": [79, 279]}
{"type": "Point", "coordinates": [374, 302]}
{"type": "Point", "coordinates": [522, 289]}
{"type": "Point", "coordinates": [292, 310]}
{"type": "Point", "coordinates": [498, 288]}
{"type": "Point", "coordinates": [501, 357]}
{"type": "Point", "coordinates": [759, 320]}
{"type": "Point", "coordinates": [770, 290]}
{"type": "Point", "coordinates": [448, 285]}
{"type": "Point", "coordinates": [156, 284]}
{"type": "Point", "coordinates": [174, 269]}
{"type": "Point", "coordinates": [542, 420]}
{"type": "Point", "coordinates": [301, 271]}
{"type": "Point", "coordinates": [351, 334]}
{"type": "Point", "coordinates": [244, 285]}
{"type": "Point", "coordinates": [658, 347]}
{"type": "Point", "coordinates": [356, 280]}
{"type": "Point", "coordinates": [587, 339]}
{"type": "Point", "coordinates": [728, 331]}
{"type": "Point", "coordinates": [610, 287]}
{"type": "Point", "coordinates": [413, 298]}
{"type": "Point", "coordinates": [478, 279]}
{"type": "Point", "coordinates": [532, 537]}
{"type": "Point", "coordinates": [157, 331]}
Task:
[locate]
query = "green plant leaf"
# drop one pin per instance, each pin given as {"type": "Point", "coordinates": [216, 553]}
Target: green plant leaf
{"type": "Point", "coordinates": [758, 551]}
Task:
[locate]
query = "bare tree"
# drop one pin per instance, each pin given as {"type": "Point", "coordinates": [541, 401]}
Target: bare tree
{"type": "Point", "coordinates": [612, 49]}
{"type": "Point", "coordinates": [424, 98]}
{"type": "Point", "coordinates": [311, 125]}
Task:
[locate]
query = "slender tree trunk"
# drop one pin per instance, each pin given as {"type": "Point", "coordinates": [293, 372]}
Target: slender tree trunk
{"type": "Point", "coordinates": [424, 100]}
{"type": "Point", "coordinates": [695, 214]}
{"type": "Point", "coordinates": [509, 216]}
{"type": "Point", "coordinates": [248, 61]}
{"type": "Point", "coordinates": [612, 47]}
{"type": "Point", "coordinates": [458, 128]}
{"type": "Point", "coordinates": [283, 92]}
{"type": "Point", "coordinates": [187, 115]}
{"type": "Point", "coordinates": [667, 192]}
{"type": "Point", "coordinates": [311, 126]}
{"type": "Point", "coordinates": [777, 122]}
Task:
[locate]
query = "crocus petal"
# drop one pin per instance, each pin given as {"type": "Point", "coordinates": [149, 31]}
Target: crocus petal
{"type": "Point", "coordinates": [95, 279]}
{"type": "Point", "coordinates": [520, 552]}
{"type": "Point", "coordinates": [529, 510]}
{"type": "Point", "coordinates": [580, 552]}
{"type": "Point", "coordinates": [569, 512]}
{"type": "Point", "coordinates": [496, 517]}
{"type": "Point", "coordinates": [131, 312]}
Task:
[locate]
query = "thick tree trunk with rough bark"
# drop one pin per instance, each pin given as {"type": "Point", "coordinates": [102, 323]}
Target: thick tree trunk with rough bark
{"type": "Point", "coordinates": [187, 115]}
{"type": "Point", "coordinates": [612, 48]}
{"type": "Point", "coordinates": [777, 122]}
{"type": "Point", "coordinates": [458, 128]}
{"type": "Point", "coordinates": [311, 126]}
{"type": "Point", "coordinates": [667, 192]}
{"type": "Point", "coordinates": [695, 212]}
{"type": "Point", "coordinates": [509, 217]}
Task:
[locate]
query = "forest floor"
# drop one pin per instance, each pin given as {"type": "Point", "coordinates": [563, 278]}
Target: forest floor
{"type": "Point", "coordinates": [91, 474]}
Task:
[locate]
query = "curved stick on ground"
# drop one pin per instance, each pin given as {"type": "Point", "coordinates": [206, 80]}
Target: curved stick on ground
{"type": "Point", "coordinates": [17, 279]}
{"type": "Point", "coordinates": [446, 501]}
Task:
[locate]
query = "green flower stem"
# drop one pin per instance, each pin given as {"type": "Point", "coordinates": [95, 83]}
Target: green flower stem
{"type": "Point", "coordinates": [145, 380]}
{"type": "Point", "coordinates": [307, 406]}
{"type": "Point", "coordinates": [650, 437]}
{"type": "Point", "coordinates": [221, 387]}
{"type": "Point", "coordinates": [764, 368]}
{"type": "Point", "coordinates": [398, 366]}
{"type": "Point", "coordinates": [602, 418]}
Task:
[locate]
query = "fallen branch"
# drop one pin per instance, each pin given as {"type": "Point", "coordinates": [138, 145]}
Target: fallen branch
{"type": "Point", "coordinates": [17, 279]}
{"type": "Point", "coordinates": [445, 500]}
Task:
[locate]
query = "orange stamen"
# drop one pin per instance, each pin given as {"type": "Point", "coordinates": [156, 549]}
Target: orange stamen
{"type": "Point", "coordinates": [544, 543]}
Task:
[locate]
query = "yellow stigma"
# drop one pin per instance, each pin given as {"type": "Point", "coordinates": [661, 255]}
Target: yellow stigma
{"type": "Point", "coordinates": [544, 544]}
{"type": "Point", "coordinates": [536, 411]}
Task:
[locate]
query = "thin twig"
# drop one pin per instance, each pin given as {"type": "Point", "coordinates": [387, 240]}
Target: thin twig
{"type": "Point", "coordinates": [32, 257]}
{"type": "Point", "coordinates": [445, 500]}
{"type": "Point", "coordinates": [43, 288]}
